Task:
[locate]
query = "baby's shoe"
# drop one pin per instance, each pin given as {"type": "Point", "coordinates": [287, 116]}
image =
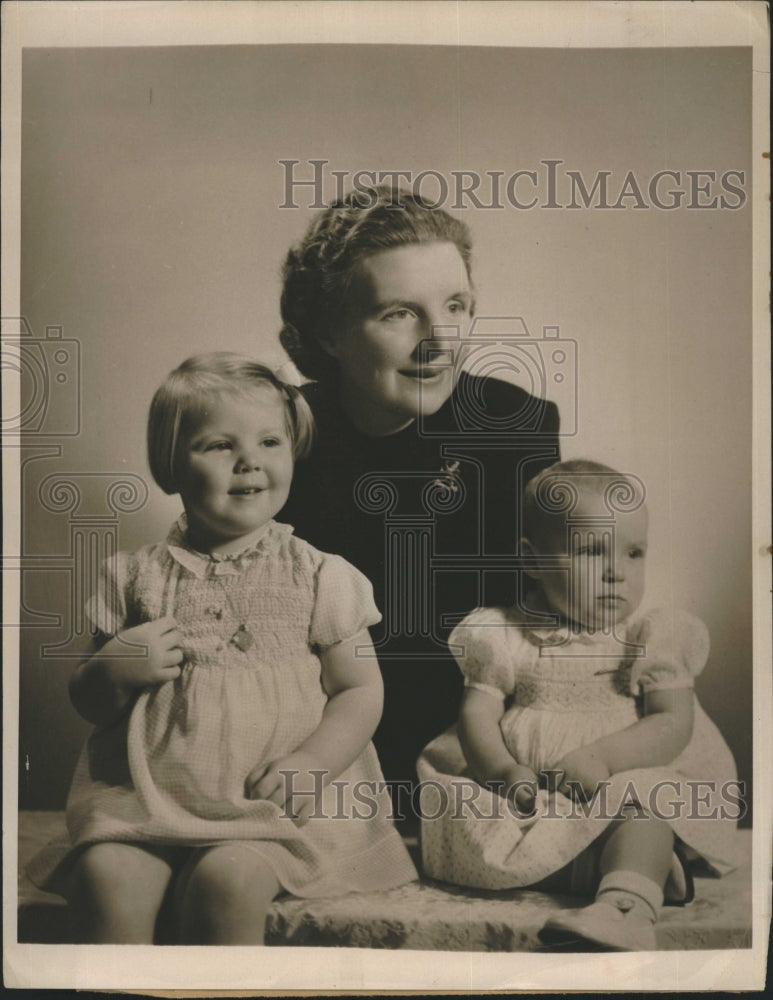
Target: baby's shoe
{"type": "Point", "coordinates": [616, 923]}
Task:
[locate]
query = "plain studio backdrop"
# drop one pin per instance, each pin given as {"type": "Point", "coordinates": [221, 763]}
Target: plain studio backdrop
{"type": "Point", "coordinates": [151, 229]}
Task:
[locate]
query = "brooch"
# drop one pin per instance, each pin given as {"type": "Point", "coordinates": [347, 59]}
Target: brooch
{"type": "Point", "coordinates": [449, 472]}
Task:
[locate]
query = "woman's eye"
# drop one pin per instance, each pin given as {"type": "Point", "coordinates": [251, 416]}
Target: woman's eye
{"type": "Point", "coordinates": [397, 315]}
{"type": "Point", "coordinates": [636, 554]}
{"type": "Point", "coordinates": [457, 307]}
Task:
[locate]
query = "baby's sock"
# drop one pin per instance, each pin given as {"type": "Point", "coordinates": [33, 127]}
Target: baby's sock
{"type": "Point", "coordinates": [631, 892]}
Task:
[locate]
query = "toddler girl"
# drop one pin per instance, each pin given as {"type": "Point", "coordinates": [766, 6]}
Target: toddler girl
{"type": "Point", "coordinates": [231, 680]}
{"type": "Point", "coordinates": [579, 714]}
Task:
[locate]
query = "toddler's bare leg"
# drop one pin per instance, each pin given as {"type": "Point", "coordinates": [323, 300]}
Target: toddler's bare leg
{"type": "Point", "coordinates": [223, 894]}
{"type": "Point", "coordinates": [116, 893]}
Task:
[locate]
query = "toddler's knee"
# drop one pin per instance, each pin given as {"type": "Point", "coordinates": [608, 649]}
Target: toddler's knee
{"type": "Point", "coordinates": [99, 869]}
{"type": "Point", "coordinates": [224, 898]}
{"type": "Point", "coordinates": [231, 881]}
{"type": "Point", "coordinates": [219, 880]}
{"type": "Point", "coordinates": [115, 895]}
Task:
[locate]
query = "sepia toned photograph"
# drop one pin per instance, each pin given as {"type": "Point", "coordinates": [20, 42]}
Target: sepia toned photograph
{"type": "Point", "coordinates": [386, 492]}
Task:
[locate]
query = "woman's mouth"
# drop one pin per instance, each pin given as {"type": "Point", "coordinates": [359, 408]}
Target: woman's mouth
{"type": "Point", "coordinates": [423, 374]}
{"type": "Point", "coordinates": [245, 491]}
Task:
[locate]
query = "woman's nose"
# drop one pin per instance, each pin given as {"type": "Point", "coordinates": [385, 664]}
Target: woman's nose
{"type": "Point", "coordinates": [440, 328]}
{"type": "Point", "coordinates": [432, 333]}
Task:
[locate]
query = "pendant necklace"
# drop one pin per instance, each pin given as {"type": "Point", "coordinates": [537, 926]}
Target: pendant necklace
{"type": "Point", "coordinates": [242, 638]}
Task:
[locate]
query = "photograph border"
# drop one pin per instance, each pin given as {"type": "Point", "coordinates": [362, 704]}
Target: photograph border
{"type": "Point", "coordinates": [558, 24]}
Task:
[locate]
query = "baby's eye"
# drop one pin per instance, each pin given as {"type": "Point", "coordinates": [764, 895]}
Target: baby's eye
{"type": "Point", "coordinates": [219, 446]}
{"type": "Point", "coordinates": [271, 442]}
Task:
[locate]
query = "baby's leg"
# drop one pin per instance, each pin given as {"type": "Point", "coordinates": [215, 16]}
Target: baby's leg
{"type": "Point", "coordinates": [222, 896]}
{"type": "Point", "coordinates": [640, 844]}
{"type": "Point", "coordinates": [116, 893]}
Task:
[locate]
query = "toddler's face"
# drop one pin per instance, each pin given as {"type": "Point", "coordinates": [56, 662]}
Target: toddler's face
{"type": "Point", "coordinates": [599, 580]}
{"type": "Point", "coordinates": [236, 469]}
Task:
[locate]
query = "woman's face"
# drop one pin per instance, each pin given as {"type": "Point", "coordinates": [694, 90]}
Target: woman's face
{"type": "Point", "coordinates": [399, 298]}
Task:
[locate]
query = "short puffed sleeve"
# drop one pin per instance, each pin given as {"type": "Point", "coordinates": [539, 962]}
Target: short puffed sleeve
{"type": "Point", "coordinates": [343, 604]}
{"type": "Point", "coordinates": [106, 607]}
{"type": "Point", "coordinates": [676, 646]}
{"type": "Point", "coordinates": [482, 644]}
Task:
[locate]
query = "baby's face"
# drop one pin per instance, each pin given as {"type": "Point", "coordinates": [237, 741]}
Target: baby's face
{"type": "Point", "coordinates": [599, 576]}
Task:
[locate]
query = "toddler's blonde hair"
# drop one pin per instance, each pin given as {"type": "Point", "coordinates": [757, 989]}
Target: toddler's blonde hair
{"type": "Point", "coordinates": [184, 392]}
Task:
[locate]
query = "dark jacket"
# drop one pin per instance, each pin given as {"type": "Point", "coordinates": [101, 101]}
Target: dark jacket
{"type": "Point", "coordinates": [431, 515]}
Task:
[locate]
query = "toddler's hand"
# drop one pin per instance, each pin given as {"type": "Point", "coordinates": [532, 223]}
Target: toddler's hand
{"type": "Point", "coordinates": [292, 782]}
{"type": "Point", "coordinates": [160, 662]}
{"type": "Point", "coordinates": [519, 788]}
{"type": "Point", "coordinates": [578, 774]}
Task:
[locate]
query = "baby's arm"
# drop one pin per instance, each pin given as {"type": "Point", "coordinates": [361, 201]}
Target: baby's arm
{"type": "Point", "coordinates": [352, 681]}
{"type": "Point", "coordinates": [103, 683]}
{"type": "Point", "coordinates": [484, 748]}
{"type": "Point", "coordinates": [657, 738]}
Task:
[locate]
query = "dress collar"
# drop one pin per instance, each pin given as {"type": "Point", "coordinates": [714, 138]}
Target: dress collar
{"type": "Point", "coordinates": [554, 635]}
{"type": "Point", "coordinates": [200, 564]}
{"type": "Point", "coordinates": [560, 635]}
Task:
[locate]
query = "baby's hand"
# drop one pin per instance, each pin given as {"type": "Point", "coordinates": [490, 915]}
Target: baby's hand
{"type": "Point", "coordinates": [519, 788]}
{"type": "Point", "coordinates": [293, 783]}
{"type": "Point", "coordinates": [160, 662]}
{"type": "Point", "coordinates": [578, 774]}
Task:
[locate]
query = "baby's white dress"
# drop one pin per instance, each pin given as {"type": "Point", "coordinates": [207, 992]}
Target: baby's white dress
{"type": "Point", "coordinates": [562, 691]}
{"type": "Point", "coordinates": [172, 768]}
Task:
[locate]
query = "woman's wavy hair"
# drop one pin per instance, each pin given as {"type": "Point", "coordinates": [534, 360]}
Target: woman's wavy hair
{"type": "Point", "coordinates": [185, 393]}
{"type": "Point", "coordinates": [318, 271]}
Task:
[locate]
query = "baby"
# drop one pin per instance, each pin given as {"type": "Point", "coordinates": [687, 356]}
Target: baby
{"type": "Point", "coordinates": [579, 712]}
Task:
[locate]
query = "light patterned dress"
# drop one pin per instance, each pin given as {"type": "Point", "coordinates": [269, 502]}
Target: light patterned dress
{"type": "Point", "coordinates": [562, 691]}
{"type": "Point", "coordinates": [172, 768]}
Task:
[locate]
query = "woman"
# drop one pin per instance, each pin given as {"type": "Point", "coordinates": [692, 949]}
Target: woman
{"type": "Point", "coordinates": [417, 466]}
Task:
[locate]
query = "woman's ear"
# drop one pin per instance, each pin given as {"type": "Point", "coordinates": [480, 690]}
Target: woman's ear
{"type": "Point", "coordinates": [527, 549]}
{"type": "Point", "coordinates": [329, 344]}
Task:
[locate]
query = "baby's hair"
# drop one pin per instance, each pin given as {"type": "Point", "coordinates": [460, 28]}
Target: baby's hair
{"type": "Point", "coordinates": [185, 389]}
{"type": "Point", "coordinates": [539, 522]}
{"type": "Point", "coordinates": [318, 271]}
